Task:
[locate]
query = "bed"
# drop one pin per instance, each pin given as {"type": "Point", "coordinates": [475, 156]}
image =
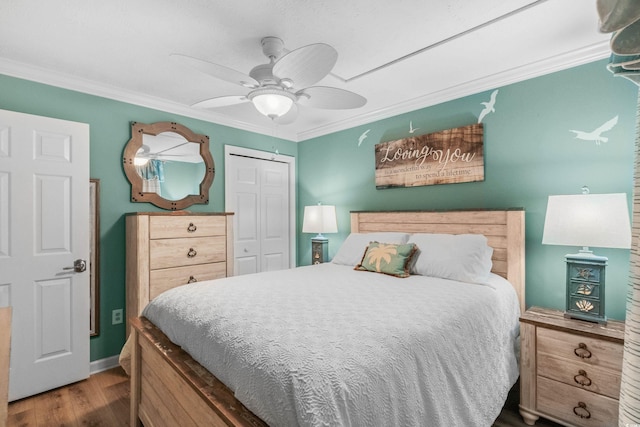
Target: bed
{"type": "Point", "coordinates": [376, 386]}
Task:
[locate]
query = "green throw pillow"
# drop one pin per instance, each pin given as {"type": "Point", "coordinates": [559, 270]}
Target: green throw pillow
{"type": "Point", "coordinates": [388, 258]}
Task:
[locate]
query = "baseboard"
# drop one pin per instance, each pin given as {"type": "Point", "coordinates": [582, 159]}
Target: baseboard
{"type": "Point", "coordinates": [103, 364]}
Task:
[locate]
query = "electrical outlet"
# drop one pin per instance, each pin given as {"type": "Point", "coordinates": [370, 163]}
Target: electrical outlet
{"type": "Point", "coordinates": [116, 316]}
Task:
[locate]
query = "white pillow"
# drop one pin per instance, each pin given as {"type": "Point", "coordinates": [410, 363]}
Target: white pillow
{"type": "Point", "coordinates": [352, 250]}
{"type": "Point", "coordinates": [462, 257]}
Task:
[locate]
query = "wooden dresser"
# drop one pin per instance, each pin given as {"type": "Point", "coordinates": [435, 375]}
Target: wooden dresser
{"type": "Point", "coordinates": [169, 249]}
{"type": "Point", "coordinates": [569, 369]}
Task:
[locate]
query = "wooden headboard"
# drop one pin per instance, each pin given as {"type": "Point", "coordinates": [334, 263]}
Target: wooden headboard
{"type": "Point", "coordinates": [504, 230]}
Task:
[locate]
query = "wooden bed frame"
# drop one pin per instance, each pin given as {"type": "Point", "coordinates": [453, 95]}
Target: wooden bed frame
{"type": "Point", "coordinates": [169, 388]}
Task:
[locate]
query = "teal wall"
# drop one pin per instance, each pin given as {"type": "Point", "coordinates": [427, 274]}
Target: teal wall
{"type": "Point", "coordinates": [110, 130]}
{"type": "Point", "coordinates": [181, 179]}
{"type": "Point", "coordinates": [529, 154]}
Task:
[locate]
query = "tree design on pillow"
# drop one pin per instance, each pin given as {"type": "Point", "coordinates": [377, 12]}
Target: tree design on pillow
{"type": "Point", "coordinates": [381, 253]}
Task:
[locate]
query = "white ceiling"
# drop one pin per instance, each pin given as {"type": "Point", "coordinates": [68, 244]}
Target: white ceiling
{"type": "Point", "coordinates": [428, 51]}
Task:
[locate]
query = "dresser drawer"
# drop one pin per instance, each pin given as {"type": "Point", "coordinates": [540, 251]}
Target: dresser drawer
{"type": "Point", "coordinates": [165, 253]}
{"type": "Point", "coordinates": [169, 278]}
{"type": "Point", "coordinates": [568, 403]}
{"type": "Point", "coordinates": [591, 351]}
{"type": "Point", "coordinates": [167, 227]}
{"type": "Point", "coordinates": [579, 374]}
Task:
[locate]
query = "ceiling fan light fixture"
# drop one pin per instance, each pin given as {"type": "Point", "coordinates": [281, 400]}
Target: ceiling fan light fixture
{"type": "Point", "coordinates": [140, 161]}
{"type": "Point", "coordinates": [272, 102]}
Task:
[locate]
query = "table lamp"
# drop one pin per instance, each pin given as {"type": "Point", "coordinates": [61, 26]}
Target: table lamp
{"type": "Point", "coordinates": [598, 220]}
{"type": "Point", "coordinates": [319, 219]}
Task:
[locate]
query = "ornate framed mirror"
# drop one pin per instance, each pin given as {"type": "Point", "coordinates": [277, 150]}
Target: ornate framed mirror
{"type": "Point", "coordinates": [168, 165]}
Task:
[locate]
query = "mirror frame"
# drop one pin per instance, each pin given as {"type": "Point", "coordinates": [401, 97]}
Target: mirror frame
{"type": "Point", "coordinates": [135, 143]}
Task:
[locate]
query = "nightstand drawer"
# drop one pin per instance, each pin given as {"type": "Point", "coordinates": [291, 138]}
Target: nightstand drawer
{"type": "Point", "coordinates": [578, 348]}
{"type": "Point", "coordinates": [578, 374]}
{"type": "Point", "coordinates": [574, 405]}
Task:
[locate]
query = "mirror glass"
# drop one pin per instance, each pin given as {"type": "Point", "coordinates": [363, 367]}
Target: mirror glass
{"type": "Point", "coordinates": [168, 165]}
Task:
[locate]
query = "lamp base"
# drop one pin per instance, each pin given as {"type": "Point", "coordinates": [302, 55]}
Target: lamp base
{"type": "Point", "coordinates": [585, 287]}
{"type": "Point", "coordinates": [319, 249]}
{"type": "Point", "coordinates": [570, 315]}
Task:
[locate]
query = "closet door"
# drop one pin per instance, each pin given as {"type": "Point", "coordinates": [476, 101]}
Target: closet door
{"type": "Point", "coordinates": [44, 248]}
{"type": "Point", "coordinates": [258, 194]}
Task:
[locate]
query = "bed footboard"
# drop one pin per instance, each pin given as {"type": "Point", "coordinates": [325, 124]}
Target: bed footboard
{"type": "Point", "coordinates": [169, 388]}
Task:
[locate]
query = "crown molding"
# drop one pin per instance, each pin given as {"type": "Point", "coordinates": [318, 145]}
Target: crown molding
{"type": "Point", "coordinates": [65, 81]}
{"type": "Point", "coordinates": [525, 72]}
{"type": "Point", "coordinates": [535, 69]}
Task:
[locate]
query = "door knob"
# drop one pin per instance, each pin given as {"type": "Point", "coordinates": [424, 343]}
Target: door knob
{"type": "Point", "coordinates": [79, 266]}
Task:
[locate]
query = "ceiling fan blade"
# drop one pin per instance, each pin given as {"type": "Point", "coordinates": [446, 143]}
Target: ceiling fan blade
{"type": "Point", "coordinates": [307, 65]}
{"type": "Point", "coordinates": [216, 70]}
{"type": "Point", "coordinates": [330, 98]}
{"type": "Point", "coordinates": [221, 101]}
{"type": "Point", "coordinates": [288, 118]}
{"type": "Point", "coordinates": [178, 158]}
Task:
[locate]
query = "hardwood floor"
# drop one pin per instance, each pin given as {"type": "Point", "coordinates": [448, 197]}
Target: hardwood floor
{"type": "Point", "coordinates": [103, 400]}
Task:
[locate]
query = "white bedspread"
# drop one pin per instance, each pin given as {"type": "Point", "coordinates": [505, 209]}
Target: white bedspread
{"type": "Point", "coordinates": [326, 345]}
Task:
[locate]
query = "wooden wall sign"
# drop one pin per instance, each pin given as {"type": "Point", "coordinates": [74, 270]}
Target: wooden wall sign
{"type": "Point", "coordinates": [445, 157]}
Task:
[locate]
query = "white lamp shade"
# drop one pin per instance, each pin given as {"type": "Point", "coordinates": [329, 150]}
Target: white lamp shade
{"type": "Point", "coordinates": [598, 220]}
{"type": "Point", "coordinates": [319, 219]}
{"type": "Point", "coordinates": [272, 102]}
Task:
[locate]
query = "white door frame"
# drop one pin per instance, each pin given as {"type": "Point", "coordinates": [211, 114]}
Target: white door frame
{"type": "Point", "coordinates": [230, 150]}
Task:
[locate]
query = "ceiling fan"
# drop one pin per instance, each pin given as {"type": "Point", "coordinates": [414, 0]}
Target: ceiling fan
{"type": "Point", "coordinates": [278, 87]}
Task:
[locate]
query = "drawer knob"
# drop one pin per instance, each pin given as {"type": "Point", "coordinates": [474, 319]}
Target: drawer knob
{"type": "Point", "coordinates": [192, 279]}
{"type": "Point", "coordinates": [582, 378]}
{"type": "Point", "coordinates": [192, 253]}
{"type": "Point", "coordinates": [192, 227]}
{"type": "Point", "coordinates": [582, 351]}
{"type": "Point", "coordinates": [582, 411]}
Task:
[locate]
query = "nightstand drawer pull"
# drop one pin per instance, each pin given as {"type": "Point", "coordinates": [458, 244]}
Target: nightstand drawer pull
{"type": "Point", "coordinates": [192, 253]}
{"type": "Point", "coordinates": [192, 279]}
{"type": "Point", "coordinates": [582, 351]}
{"type": "Point", "coordinates": [582, 378]}
{"type": "Point", "coordinates": [582, 411]}
{"type": "Point", "coordinates": [191, 228]}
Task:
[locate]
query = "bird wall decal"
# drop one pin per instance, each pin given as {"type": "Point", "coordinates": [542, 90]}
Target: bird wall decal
{"type": "Point", "coordinates": [363, 137]}
{"type": "Point", "coordinates": [596, 135]}
{"type": "Point", "coordinates": [411, 128]}
{"type": "Point", "coordinates": [489, 107]}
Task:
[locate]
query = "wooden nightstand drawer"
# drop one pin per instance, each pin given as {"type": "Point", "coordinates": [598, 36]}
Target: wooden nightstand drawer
{"type": "Point", "coordinates": [168, 227]}
{"type": "Point", "coordinates": [570, 369]}
{"type": "Point", "coordinates": [592, 351]}
{"type": "Point", "coordinates": [578, 374]}
{"type": "Point", "coordinates": [169, 278]}
{"type": "Point", "coordinates": [165, 253]}
{"type": "Point", "coordinates": [575, 406]}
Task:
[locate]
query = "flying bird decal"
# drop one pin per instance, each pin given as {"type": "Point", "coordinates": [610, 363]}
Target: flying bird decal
{"type": "Point", "coordinates": [596, 135]}
{"type": "Point", "coordinates": [489, 107]}
{"type": "Point", "coordinates": [363, 137]}
{"type": "Point", "coordinates": [411, 128]}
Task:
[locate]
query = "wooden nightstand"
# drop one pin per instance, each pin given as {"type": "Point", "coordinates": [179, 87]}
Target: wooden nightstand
{"type": "Point", "coordinates": [569, 369]}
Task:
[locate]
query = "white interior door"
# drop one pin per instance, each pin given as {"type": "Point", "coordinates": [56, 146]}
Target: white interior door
{"type": "Point", "coordinates": [258, 192]}
{"type": "Point", "coordinates": [44, 229]}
